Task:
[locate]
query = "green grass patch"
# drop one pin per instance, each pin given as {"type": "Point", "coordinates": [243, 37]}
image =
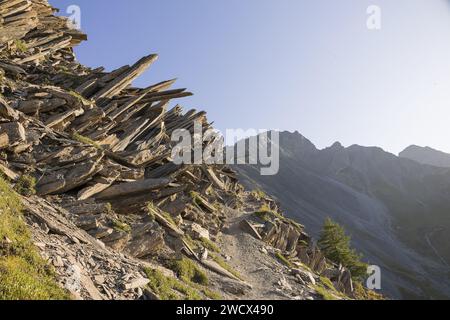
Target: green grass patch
{"type": "Point", "coordinates": [327, 289]}
{"type": "Point", "coordinates": [21, 279]}
{"type": "Point", "coordinates": [325, 293]}
{"type": "Point", "coordinates": [200, 202]}
{"type": "Point", "coordinates": [303, 243]}
{"type": "Point", "coordinates": [86, 140]}
{"type": "Point", "coordinates": [192, 243]}
{"type": "Point", "coordinates": [109, 208]}
{"type": "Point", "coordinates": [259, 194]}
{"type": "Point", "coordinates": [211, 294]}
{"type": "Point", "coordinates": [196, 200]}
{"type": "Point", "coordinates": [280, 257]}
{"type": "Point", "coordinates": [362, 293]}
{"type": "Point", "coordinates": [304, 266]}
{"type": "Point", "coordinates": [150, 213]}
{"type": "Point", "coordinates": [168, 217]}
{"type": "Point", "coordinates": [167, 288]}
{"type": "Point", "coordinates": [194, 195]}
{"type": "Point", "coordinates": [191, 274]}
{"type": "Point", "coordinates": [26, 185]}
{"type": "Point", "coordinates": [267, 214]}
{"type": "Point", "coordinates": [24, 275]}
{"type": "Point", "coordinates": [297, 226]}
{"type": "Point", "coordinates": [264, 215]}
{"type": "Point", "coordinates": [327, 283]}
{"type": "Point", "coordinates": [265, 208]}
{"type": "Point", "coordinates": [21, 46]}
{"type": "Point", "coordinates": [208, 244]}
{"type": "Point", "coordinates": [152, 208]}
{"type": "Point", "coordinates": [80, 98]}
{"type": "Point", "coordinates": [188, 271]}
{"type": "Point", "coordinates": [226, 266]}
{"type": "Point", "coordinates": [121, 226]}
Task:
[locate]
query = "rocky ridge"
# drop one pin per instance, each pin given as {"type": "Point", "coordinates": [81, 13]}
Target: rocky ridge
{"type": "Point", "coordinates": [426, 155]}
{"type": "Point", "coordinates": [107, 207]}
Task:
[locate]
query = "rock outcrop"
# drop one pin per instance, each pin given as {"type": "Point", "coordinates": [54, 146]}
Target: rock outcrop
{"type": "Point", "coordinates": [111, 212]}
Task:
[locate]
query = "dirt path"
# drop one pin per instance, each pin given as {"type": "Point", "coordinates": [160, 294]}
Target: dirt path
{"type": "Point", "coordinates": [252, 259]}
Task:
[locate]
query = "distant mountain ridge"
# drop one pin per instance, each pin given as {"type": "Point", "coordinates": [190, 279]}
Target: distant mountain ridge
{"type": "Point", "coordinates": [396, 209]}
{"type": "Point", "coordinates": [427, 155]}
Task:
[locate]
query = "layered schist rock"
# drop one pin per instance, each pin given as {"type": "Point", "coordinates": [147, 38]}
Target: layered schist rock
{"type": "Point", "coordinates": [109, 199]}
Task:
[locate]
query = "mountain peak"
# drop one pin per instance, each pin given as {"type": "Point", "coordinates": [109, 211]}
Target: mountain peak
{"type": "Point", "coordinates": [337, 145]}
{"type": "Point", "coordinates": [426, 155]}
{"type": "Point", "coordinates": [296, 141]}
{"type": "Point", "coordinates": [295, 134]}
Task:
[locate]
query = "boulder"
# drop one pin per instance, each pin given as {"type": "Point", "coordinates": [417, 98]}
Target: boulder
{"type": "Point", "coordinates": [198, 232]}
{"type": "Point", "coordinates": [101, 232]}
{"type": "Point", "coordinates": [88, 222]}
{"type": "Point", "coordinates": [146, 244]}
{"type": "Point", "coordinates": [281, 235]}
{"type": "Point", "coordinates": [238, 288]}
{"type": "Point", "coordinates": [312, 257]}
{"type": "Point", "coordinates": [15, 133]}
{"type": "Point", "coordinates": [344, 282]}
{"type": "Point", "coordinates": [136, 283]}
{"type": "Point", "coordinates": [250, 229]}
{"type": "Point", "coordinates": [117, 240]}
{"type": "Point", "coordinates": [7, 112]}
{"type": "Point", "coordinates": [304, 275]}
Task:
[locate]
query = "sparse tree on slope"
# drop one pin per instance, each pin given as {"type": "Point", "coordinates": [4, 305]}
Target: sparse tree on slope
{"type": "Point", "coordinates": [335, 245]}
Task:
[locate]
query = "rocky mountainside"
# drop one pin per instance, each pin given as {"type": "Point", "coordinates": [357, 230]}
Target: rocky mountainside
{"type": "Point", "coordinates": [89, 184]}
{"type": "Point", "coordinates": [426, 155]}
{"type": "Point", "coordinates": [396, 210]}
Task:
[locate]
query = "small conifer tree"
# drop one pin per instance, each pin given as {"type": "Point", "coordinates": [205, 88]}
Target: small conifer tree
{"type": "Point", "coordinates": [335, 245]}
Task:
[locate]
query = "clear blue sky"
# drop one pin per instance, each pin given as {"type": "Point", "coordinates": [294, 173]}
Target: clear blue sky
{"type": "Point", "coordinates": [306, 65]}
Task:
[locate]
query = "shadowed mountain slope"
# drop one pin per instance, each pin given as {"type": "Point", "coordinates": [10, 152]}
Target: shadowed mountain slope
{"type": "Point", "coordinates": [396, 210]}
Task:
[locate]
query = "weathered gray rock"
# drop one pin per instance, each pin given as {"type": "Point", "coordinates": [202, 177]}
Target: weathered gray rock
{"type": "Point", "coordinates": [235, 287]}
{"type": "Point", "coordinates": [281, 235]}
{"type": "Point", "coordinates": [305, 275]}
{"type": "Point", "coordinates": [344, 282]}
{"type": "Point", "coordinates": [14, 133]}
{"type": "Point", "coordinates": [67, 179]}
{"type": "Point", "coordinates": [145, 245]}
{"type": "Point", "coordinates": [7, 112]}
{"type": "Point", "coordinates": [101, 232]}
{"type": "Point", "coordinates": [312, 257]}
{"type": "Point", "coordinates": [132, 188]}
{"type": "Point", "coordinates": [250, 229]}
{"type": "Point", "coordinates": [136, 283]}
{"type": "Point", "coordinates": [117, 240]}
{"type": "Point", "coordinates": [198, 232]}
{"type": "Point", "coordinates": [88, 222]}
